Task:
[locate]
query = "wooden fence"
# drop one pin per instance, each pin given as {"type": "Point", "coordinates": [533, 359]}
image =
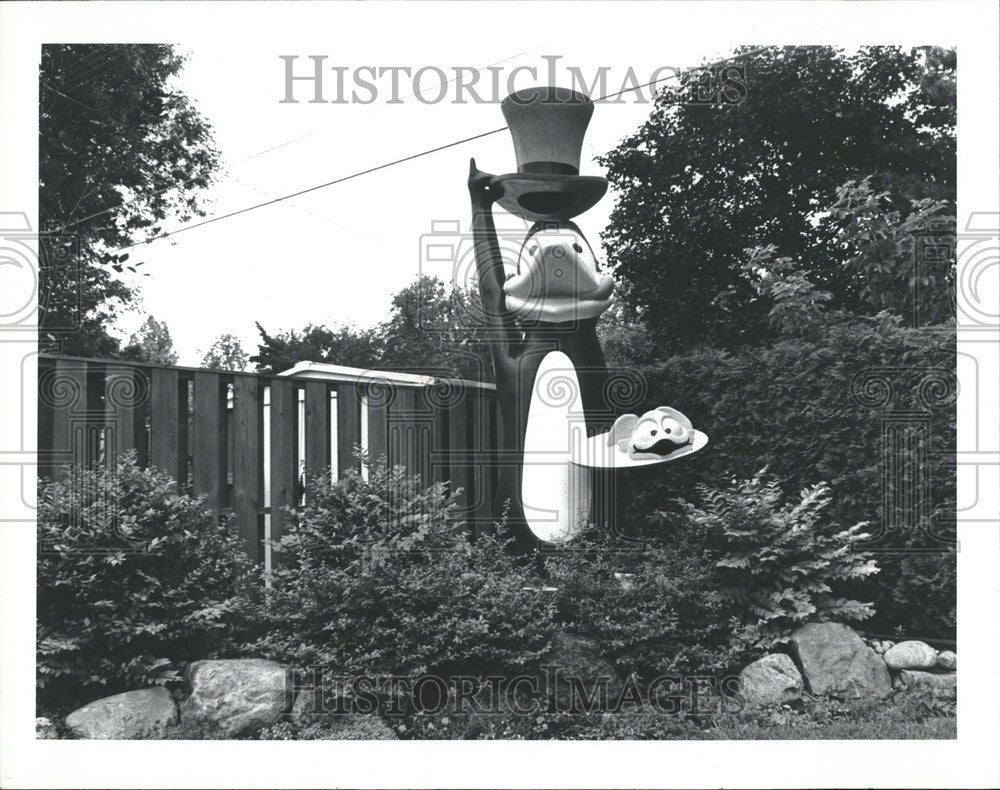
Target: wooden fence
{"type": "Point", "coordinates": [247, 442]}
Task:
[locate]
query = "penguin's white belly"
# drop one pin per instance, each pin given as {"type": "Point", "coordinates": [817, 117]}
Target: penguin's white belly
{"type": "Point", "coordinates": [555, 492]}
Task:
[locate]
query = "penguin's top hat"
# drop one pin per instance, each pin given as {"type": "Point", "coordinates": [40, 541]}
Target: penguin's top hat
{"type": "Point", "coordinates": [548, 125]}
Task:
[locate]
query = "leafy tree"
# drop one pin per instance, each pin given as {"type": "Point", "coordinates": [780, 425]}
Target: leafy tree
{"type": "Point", "coordinates": [226, 353]}
{"type": "Point", "coordinates": [434, 330]}
{"type": "Point", "coordinates": [121, 149]}
{"type": "Point", "coordinates": [698, 184]}
{"type": "Point", "coordinates": [343, 345]}
{"type": "Point", "coordinates": [430, 329]}
{"type": "Point", "coordinates": [152, 343]}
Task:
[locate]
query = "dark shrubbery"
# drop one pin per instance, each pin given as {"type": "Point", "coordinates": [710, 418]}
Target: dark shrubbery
{"type": "Point", "coordinates": [716, 585]}
{"type": "Point", "coordinates": [811, 408]}
{"type": "Point", "coordinates": [132, 577]}
{"type": "Point", "coordinates": [379, 577]}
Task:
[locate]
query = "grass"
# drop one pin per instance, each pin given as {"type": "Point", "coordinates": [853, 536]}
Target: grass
{"type": "Point", "coordinates": [932, 729]}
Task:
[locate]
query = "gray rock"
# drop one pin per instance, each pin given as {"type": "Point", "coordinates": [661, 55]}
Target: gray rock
{"type": "Point", "coordinates": [235, 695]}
{"type": "Point", "coordinates": [910, 655]}
{"type": "Point", "coordinates": [133, 715]}
{"type": "Point", "coordinates": [914, 678]}
{"type": "Point", "coordinates": [947, 660]}
{"type": "Point", "coordinates": [773, 678]}
{"type": "Point", "coordinates": [45, 730]}
{"type": "Point", "coordinates": [835, 660]}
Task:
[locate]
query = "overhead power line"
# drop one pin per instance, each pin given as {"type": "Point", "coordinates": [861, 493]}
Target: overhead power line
{"type": "Point", "coordinates": [185, 182]}
{"type": "Point", "coordinates": [411, 157]}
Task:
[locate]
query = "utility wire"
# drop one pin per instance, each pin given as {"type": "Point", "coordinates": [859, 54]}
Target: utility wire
{"type": "Point", "coordinates": [306, 191]}
{"type": "Point", "coordinates": [231, 165]}
{"type": "Point", "coordinates": [411, 157]}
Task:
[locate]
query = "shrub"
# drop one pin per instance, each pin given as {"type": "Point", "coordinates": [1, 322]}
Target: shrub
{"type": "Point", "coordinates": [718, 585]}
{"type": "Point", "coordinates": [792, 405]}
{"type": "Point", "coordinates": [132, 577]}
{"type": "Point", "coordinates": [651, 607]}
{"type": "Point", "coordinates": [378, 577]}
{"type": "Point", "coordinates": [778, 565]}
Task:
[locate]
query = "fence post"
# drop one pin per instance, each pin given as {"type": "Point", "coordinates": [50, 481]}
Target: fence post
{"type": "Point", "coordinates": [209, 435]}
{"type": "Point", "coordinates": [348, 427]}
{"type": "Point", "coordinates": [247, 469]}
{"type": "Point", "coordinates": [317, 428]}
{"type": "Point", "coordinates": [164, 446]}
{"type": "Point", "coordinates": [284, 458]}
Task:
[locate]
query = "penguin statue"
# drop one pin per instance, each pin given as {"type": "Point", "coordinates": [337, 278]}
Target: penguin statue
{"type": "Point", "coordinates": [560, 442]}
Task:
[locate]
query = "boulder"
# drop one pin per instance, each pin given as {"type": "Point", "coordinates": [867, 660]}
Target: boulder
{"type": "Point", "coordinates": [914, 678]}
{"type": "Point", "coordinates": [773, 678]}
{"type": "Point", "coordinates": [235, 695]}
{"type": "Point", "coordinates": [947, 660]}
{"type": "Point", "coordinates": [133, 715]}
{"type": "Point", "coordinates": [835, 660]}
{"type": "Point", "coordinates": [910, 655]}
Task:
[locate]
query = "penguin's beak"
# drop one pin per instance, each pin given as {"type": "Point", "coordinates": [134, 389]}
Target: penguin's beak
{"type": "Point", "coordinates": [558, 279]}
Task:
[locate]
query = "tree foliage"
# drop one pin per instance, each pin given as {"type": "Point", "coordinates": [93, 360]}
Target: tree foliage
{"type": "Point", "coordinates": [152, 343]}
{"type": "Point", "coordinates": [342, 345]}
{"type": "Point", "coordinates": [430, 330]}
{"type": "Point", "coordinates": [698, 184]}
{"type": "Point", "coordinates": [226, 353]}
{"type": "Point", "coordinates": [121, 150]}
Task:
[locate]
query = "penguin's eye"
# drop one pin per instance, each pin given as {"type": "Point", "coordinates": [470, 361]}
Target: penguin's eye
{"type": "Point", "coordinates": [671, 427]}
{"type": "Point", "coordinates": [577, 247]}
{"type": "Point", "coordinates": [533, 249]}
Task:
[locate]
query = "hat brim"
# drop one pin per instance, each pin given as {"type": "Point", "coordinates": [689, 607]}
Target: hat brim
{"type": "Point", "coordinates": [541, 197]}
{"type": "Point", "coordinates": [598, 454]}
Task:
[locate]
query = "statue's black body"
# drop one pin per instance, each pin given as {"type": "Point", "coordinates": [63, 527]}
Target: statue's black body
{"type": "Point", "coordinates": [517, 352]}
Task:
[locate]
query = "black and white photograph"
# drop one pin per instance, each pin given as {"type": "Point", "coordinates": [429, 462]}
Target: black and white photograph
{"type": "Point", "coordinates": [600, 395]}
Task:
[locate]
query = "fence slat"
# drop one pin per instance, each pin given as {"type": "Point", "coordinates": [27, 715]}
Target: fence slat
{"type": "Point", "coordinates": [209, 436]}
{"type": "Point", "coordinates": [424, 435]}
{"type": "Point", "coordinates": [66, 392]}
{"type": "Point", "coordinates": [284, 458]}
{"type": "Point", "coordinates": [46, 414]}
{"type": "Point", "coordinates": [348, 427]}
{"type": "Point", "coordinates": [247, 461]}
{"type": "Point", "coordinates": [378, 416]}
{"type": "Point", "coordinates": [437, 455]}
{"type": "Point", "coordinates": [399, 436]}
{"type": "Point", "coordinates": [125, 396]}
{"type": "Point", "coordinates": [483, 445]}
{"type": "Point", "coordinates": [458, 462]}
{"type": "Point", "coordinates": [164, 447]}
{"type": "Point", "coordinates": [317, 428]}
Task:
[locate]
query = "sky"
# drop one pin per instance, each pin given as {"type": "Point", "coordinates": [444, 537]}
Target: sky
{"type": "Point", "coordinates": [337, 255]}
